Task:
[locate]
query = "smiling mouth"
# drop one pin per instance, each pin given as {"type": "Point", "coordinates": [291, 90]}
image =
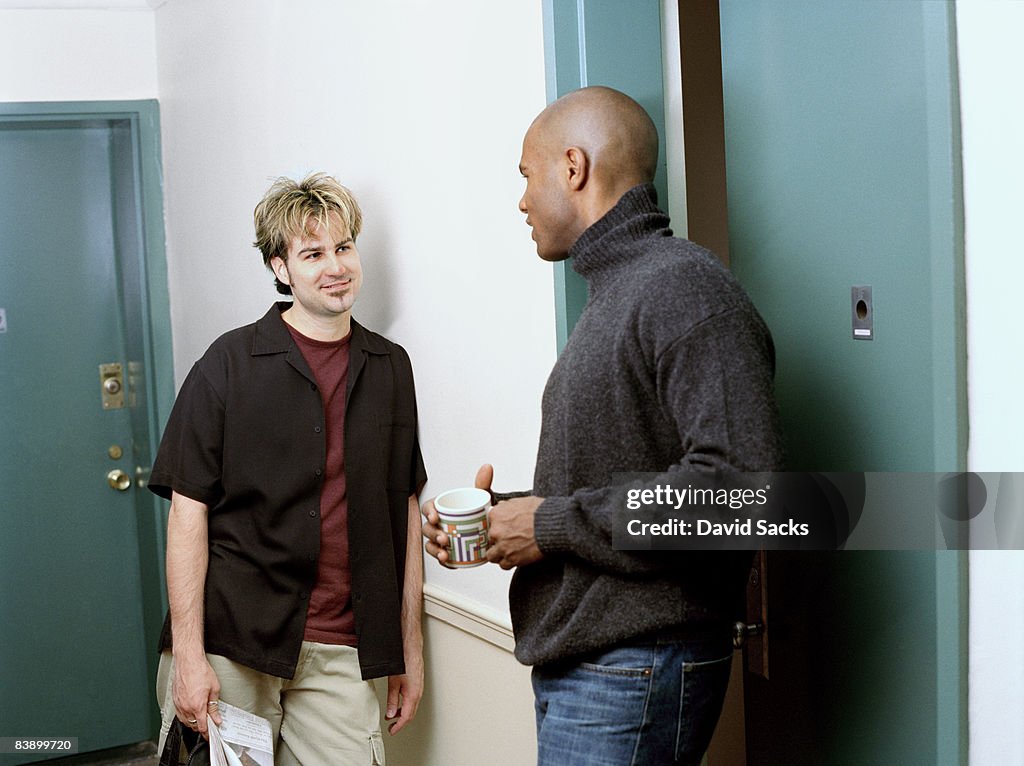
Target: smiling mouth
{"type": "Point", "coordinates": [336, 286]}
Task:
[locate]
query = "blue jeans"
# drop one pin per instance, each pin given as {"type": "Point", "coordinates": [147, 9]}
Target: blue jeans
{"type": "Point", "coordinates": [641, 705]}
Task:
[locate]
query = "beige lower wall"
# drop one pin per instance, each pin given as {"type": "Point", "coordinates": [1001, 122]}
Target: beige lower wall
{"type": "Point", "coordinates": [477, 705]}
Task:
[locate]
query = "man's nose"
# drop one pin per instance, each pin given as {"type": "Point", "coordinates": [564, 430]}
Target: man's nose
{"type": "Point", "coordinates": [522, 204]}
{"type": "Point", "coordinates": [337, 263]}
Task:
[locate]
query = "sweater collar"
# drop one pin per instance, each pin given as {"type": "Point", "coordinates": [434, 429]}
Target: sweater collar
{"type": "Point", "coordinates": [605, 244]}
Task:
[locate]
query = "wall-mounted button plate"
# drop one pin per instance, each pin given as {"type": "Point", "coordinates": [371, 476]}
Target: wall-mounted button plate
{"type": "Point", "coordinates": [863, 313]}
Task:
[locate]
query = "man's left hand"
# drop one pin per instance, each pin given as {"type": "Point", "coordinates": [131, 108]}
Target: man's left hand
{"type": "Point", "coordinates": [512, 543]}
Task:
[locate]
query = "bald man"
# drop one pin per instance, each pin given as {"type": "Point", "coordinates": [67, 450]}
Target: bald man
{"type": "Point", "coordinates": [668, 369]}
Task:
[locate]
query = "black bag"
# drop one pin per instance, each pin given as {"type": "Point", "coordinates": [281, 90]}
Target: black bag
{"type": "Point", "coordinates": [184, 747]}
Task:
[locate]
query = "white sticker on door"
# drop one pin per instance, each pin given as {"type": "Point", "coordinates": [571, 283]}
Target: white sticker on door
{"type": "Point", "coordinates": [3, 320]}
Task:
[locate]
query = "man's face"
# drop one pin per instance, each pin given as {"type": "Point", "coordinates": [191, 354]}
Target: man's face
{"type": "Point", "coordinates": [546, 199]}
{"type": "Point", "coordinates": [323, 270]}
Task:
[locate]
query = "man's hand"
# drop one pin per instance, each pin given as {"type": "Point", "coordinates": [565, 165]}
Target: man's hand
{"type": "Point", "coordinates": [404, 693]}
{"type": "Point", "coordinates": [512, 543]}
{"type": "Point", "coordinates": [195, 688]}
{"type": "Point", "coordinates": [437, 541]}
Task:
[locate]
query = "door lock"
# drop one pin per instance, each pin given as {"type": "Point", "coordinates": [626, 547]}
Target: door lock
{"type": "Point", "coordinates": [119, 480]}
{"type": "Point", "coordinates": [112, 386]}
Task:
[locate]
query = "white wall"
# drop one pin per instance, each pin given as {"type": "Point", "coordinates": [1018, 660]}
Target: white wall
{"type": "Point", "coordinates": [61, 55]}
{"type": "Point", "coordinates": [991, 60]}
{"type": "Point", "coordinates": [420, 108]}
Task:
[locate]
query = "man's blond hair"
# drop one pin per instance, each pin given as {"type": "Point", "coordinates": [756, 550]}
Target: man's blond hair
{"type": "Point", "coordinates": [293, 209]}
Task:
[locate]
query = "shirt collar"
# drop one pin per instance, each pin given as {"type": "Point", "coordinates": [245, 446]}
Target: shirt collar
{"type": "Point", "coordinates": [272, 336]}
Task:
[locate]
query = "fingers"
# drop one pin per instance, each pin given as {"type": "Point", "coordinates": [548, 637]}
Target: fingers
{"type": "Point", "coordinates": [213, 708]}
{"type": "Point", "coordinates": [513, 542]}
{"type": "Point", "coordinates": [403, 701]}
{"type": "Point", "coordinates": [437, 541]}
{"type": "Point", "coordinates": [394, 697]}
{"type": "Point", "coordinates": [404, 716]}
{"type": "Point", "coordinates": [484, 477]}
{"type": "Point", "coordinates": [439, 552]}
{"type": "Point", "coordinates": [192, 714]}
{"type": "Point", "coordinates": [194, 689]}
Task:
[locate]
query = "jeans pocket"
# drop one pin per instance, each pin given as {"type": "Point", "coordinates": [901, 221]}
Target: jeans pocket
{"type": "Point", "coordinates": [631, 662]}
{"type": "Point", "coordinates": [614, 670]}
{"type": "Point", "coordinates": [701, 696]}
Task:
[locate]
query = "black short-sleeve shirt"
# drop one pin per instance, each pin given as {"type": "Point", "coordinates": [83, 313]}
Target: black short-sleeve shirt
{"type": "Point", "coordinates": [246, 437]}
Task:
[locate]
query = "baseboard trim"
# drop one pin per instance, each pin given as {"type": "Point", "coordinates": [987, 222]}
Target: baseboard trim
{"type": "Point", "coordinates": [469, 616]}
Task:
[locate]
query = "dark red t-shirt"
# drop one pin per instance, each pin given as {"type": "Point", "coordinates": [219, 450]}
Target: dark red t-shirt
{"type": "Point", "coordinates": [329, 619]}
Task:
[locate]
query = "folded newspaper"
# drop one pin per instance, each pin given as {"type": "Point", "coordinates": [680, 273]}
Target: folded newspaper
{"type": "Point", "coordinates": [242, 739]}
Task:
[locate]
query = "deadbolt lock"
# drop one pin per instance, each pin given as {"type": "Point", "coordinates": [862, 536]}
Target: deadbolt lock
{"type": "Point", "coordinates": [112, 386]}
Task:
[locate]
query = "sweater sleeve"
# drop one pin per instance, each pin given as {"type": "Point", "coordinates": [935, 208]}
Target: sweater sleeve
{"type": "Point", "coordinates": [715, 383]}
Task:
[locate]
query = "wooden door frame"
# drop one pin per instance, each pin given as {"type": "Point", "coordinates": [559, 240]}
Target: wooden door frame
{"type": "Point", "coordinates": [142, 119]}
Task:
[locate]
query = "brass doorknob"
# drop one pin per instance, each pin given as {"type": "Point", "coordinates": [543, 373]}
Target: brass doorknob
{"type": "Point", "coordinates": [741, 631]}
{"type": "Point", "coordinates": [119, 480]}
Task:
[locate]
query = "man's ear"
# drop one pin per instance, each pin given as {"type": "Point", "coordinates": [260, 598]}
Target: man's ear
{"type": "Point", "coordinates": [280, 269]}
{"type": "Point", "coordinates": [577, 167]}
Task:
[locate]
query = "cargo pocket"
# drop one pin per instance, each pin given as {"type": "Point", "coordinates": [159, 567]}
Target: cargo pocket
{"type": "Point", "coordinates": [377, 749]}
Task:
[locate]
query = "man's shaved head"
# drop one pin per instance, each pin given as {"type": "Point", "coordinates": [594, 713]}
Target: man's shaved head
{"type": "Point", "coordinates": [618, 136]}
{"type": "Point", "coordinates": [580, 155]}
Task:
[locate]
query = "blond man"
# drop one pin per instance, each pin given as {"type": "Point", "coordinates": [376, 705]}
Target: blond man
{"type": "Point", "coordinates": [292, 463]}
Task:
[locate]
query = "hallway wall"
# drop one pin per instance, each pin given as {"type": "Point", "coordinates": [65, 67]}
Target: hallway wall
{"type": "Point", "coordinates": [77, 55]}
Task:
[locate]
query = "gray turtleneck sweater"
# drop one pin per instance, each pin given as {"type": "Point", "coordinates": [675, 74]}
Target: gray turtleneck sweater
{"type": "Point", "coordinates": [669, 368]}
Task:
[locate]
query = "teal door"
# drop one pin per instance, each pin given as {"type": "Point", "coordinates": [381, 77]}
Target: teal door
{"type": "Point", "coordinates": [76, 554]}
{"type": "Point", "coordinates": [842, 168]}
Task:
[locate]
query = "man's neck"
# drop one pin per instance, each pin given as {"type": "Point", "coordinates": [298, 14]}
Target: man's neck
{"type": "Point", "coordinates": [317, 327]}
{"type": "Point", "coordinates": [603, 198]}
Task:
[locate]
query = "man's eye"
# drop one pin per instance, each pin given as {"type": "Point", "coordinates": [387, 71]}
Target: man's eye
{"type": "Point", "coordinates": [342, 249]}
